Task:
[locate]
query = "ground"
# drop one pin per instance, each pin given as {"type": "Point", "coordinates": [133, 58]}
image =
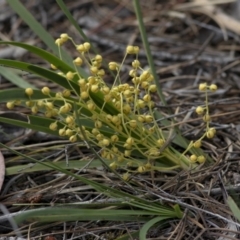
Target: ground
{"type": "Point", "coordinates": [191, 42]}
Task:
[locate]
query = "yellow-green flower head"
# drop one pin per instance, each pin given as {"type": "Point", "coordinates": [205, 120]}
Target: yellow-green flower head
{"type": "Point", "coordinates": [69, 75]}
{"type": "Point", "coordinates": [59, 42]}
{"type": "Point", "coordinates": [114, 139]}
{"type": "Point", "coordinates": [101, 72]}
{"type": "Point", "coordinates": [133, 124]}
{"type": "Point", "coordinates": [73, 138]}
{"type": "Point", "coordinates": [147, 98]}
{"type": "Point", "coordinates": [193, 158]}
{"type": "Point", "coordinates": [133, 73]}
{"type": "Point", "coordinates": [66, 93]}
{"type": "Point", "coordinates": [94, 70]}
{"type": "Point", "coordinates": [62, 132]}
{"type": "Point", "coordinates": [130, 141]}
{"type": "Point", "coordinates": [197, 144]}
{"type": "Point", "coordinates": [200, 110]}
{"type": "Point", "coordinates": [83, 48]}
{"type": "Point", "coordinates": [132, 50]}
{"type": "Point", "coordinates": [45, 90]}
{"type": "Point", "coordinates": [64, 37]}
{"type": "Point", "coordinates": [94, 88]}
{"type": "Point", "coordinates": [136, 64]}
{"type": "Point", "coordinates": [211, 133]}
{"type": "Point", "coordinates": [10, 105]}
{"type": "Point", "coordinates": [84, 95]}
{"type": "Point", "coordinates": [145, 75]}
{"type": "Point", "coordinates": [113, 66]}
{"type": "Point", "coordinates": [148, 118]}
{"type": "Point", "coordinates": [203, 86]}
{"type": "Point", "coordinates": [53, 126]}
{"type": "Point", "coordinates": [160, 142]}
{"type": "Point", "coordinates": [53, 67]}
{"type": "Point", "coordinates": [78, 61]}
{"type": "Point", "coordinates": [206, 118]}
{"type": "Point", "coordinates": [213, 87]}
{"type": "Point", "coordinates": [29, 91]}
{"type": "Point", "coordinates": [87, 46]}
{"type": "Point", "coordinates": [152, 88]}
{"type": "Point", "coordinates": [201, 159]}
{"type": "Point", "coordinates": [141, 169]}
{"type": "Point", "coordinates": [98, 58]}
{"type": "Point", "coordinates": [105, 142]}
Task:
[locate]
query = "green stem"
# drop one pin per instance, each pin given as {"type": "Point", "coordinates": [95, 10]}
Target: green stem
{"type": "Point", "coordinates": [147, 48]}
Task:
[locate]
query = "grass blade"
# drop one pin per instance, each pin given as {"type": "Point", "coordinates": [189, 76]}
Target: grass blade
{"type": "Point", "coordinates": [147, 48]}
{"type": "Point", "coordinates": [234, 208]}
{"type": "Point", "coordinates": [148, 225]}
{"type": "Point", "coordinates": [14, 78]}
{"type": "Point", "coordinates": [37, 28]}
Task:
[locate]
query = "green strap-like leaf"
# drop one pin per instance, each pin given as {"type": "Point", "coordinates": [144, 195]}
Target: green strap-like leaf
{"type": "Point", "coordinates": [43, 72]}
{"type": "Point", "coordinates": [148, 225]}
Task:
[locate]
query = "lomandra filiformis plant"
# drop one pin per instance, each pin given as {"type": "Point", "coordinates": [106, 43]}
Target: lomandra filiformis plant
{"type": "Point", "coordinates": [118, 120]}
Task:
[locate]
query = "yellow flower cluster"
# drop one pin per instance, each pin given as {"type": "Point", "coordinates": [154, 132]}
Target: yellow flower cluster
{"type": "Point", "coordinates": [204, 112]}
{"type": "Point", "coordinates": [118, 119]}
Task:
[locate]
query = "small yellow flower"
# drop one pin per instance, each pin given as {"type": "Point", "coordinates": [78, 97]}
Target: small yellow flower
{"type": "Point", "coordinates": [94, 70]}
{"type": "Point", "coordinates": [45, 90]}
{"type": "Point", "coordinates": [53, 67]}
{"type": "Point", "coordinates": [201, 159]}
{"type": "Point", "coordinates": [130, 141]}
{"type": "Point", "coordinates": [197, 144]}
{"type": "Point", "coordinates": [136, 64]}
{"type": "Point", "coordinates": [211, 133]}
{"type": "Point", "coordinates": [148, 118]}
{"type": "Point", "coordinates": [133, 123]}
{"type": "Point", "coordinates": [84, 95]}
{"type": "Point", "coordinates": [62, 132]}
{"type": "Point", "coordinates": [94, 88]}
{"type": "Point", "coordinates": [64, 37]}
{"type": "Point", "coordinates": [199, 110]}
{"type": "Point", "coordinates": [78, 61]}
{"type": "Point", "coordinates": [113, 66]}
{"type": "Point", "coordinates": [160, 142]}
{"type": "Point", "coordinates": [10, 105]}
{"type": "Point", "coordinates": [114, 138]}
{"type": "Point", "coordinates": [147, 98]}
{"type": "Point", "coordinates": [213, 87]}
{"type": "Point", "coordinates": [152, 88]}
{"type": "Point", "coordinates": [132, 49]}
{"type": "Point", "coordinates": [87, 46]}
{"type": "Point", "coordinates": [69, 75]}
{"type": "Point", "coordinates": [206, 118]}
{"type": "Point", "coordinates": [29, 91]}
{"type": "Point", "coordinates": [98, 124]}
{"type": "Point", "coordinates": [66, 93]}
{"type": "Point", "coordinates": [59, 42]}
{"type": "Point", "coordinates": [34, 109]}
{"type": "Point", "coordinates": [73, 138]}
{"type": "Point", "coordinates": [141, 169]}
{"type": "Point", "coordinates": [69, 119]}
{"type": "Point", "coordinates": [105, 142]}
{"type": "Point", "coordinates": [53, 126]}
{"type": "Point", "coordinates": [193, 158]}
{"type": "Point", "coordinates": [202, 86]}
